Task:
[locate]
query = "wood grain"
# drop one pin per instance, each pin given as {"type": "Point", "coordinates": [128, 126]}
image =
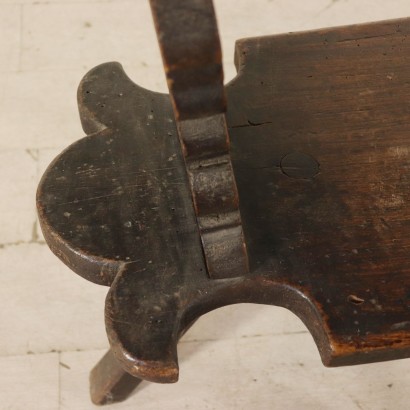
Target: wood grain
{"type": "Point", "coordinates": [319, 143]}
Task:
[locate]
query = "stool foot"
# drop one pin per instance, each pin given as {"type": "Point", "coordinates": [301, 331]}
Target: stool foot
{"type": "Point", "coordinates": [109, 383]}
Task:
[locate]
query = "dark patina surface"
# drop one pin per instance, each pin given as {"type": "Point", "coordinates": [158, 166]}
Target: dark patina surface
{"type": "Point", "coordinates": [319, 129]}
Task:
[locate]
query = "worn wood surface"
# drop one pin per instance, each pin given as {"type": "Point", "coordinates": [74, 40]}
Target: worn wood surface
{"type": "Point", "coordinates": [319, 142]}
{"type": "Point", "coordinates": [191, 50]}
{"type": "Point", "coordinates": [109, 383]}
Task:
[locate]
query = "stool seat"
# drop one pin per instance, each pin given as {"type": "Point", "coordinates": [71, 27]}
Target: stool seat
{"type": "Point", "coordinates": [319, 142]}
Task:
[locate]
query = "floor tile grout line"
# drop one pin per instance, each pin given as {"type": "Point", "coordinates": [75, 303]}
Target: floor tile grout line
{"type": "Point", "coordinates": [57, 352]}
{"type": "Point", "coordinates": [182, 342]}
{"type": "Point", "coordinates": [45, 148]}
{"type": "Point", "coordinates": [19, 243]}
{"type": "Point", "coordinates": [255, 336]}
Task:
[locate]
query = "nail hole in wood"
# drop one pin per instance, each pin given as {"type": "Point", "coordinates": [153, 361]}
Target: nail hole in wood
{"type": "Point", "coordinates": [298, 165]}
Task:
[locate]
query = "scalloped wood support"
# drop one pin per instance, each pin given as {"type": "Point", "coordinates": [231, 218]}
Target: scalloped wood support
{"type": "Point", "coordinates": [319, 128]}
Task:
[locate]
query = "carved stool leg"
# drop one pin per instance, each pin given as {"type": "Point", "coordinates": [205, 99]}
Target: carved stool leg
{"type": "Point", "coordinates": [109, 383]}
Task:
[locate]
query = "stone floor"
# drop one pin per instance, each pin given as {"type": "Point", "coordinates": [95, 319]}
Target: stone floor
{"type": "Point", "coordinates": [51, 322]}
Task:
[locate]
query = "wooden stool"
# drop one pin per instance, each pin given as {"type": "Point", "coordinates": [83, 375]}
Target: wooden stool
{"type": "Point", "coordinates": [308, 209]}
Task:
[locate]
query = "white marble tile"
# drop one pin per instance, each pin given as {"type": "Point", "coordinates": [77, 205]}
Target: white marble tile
{"type": "Point", "coordinates": [286, 371]}
{"type": "Point", "coordinates": [244, 320]}
{"type": "Point", "coordinates": [339, 12]}
{"type": "Point", "coordinates": [30, 2]}
{"type": "Point", "coordinates": [10, 36]}
{"type": "Point", "coordinates": [71, 35]}
{"type": "Point", "coordinates": [39, 109]}
{"type": "Point", "coordinates": [46, 306]}
{"type": "Point", "coordinates": [291, 372]}
{"type": "Point", "coordinates": [29, 382]}
{"type": "Point", "coordinates": [74, 373]}
{"type": "Point", "coordinates": [251, 373]}
{"type": "Point", "coordinates": [18, 168]}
